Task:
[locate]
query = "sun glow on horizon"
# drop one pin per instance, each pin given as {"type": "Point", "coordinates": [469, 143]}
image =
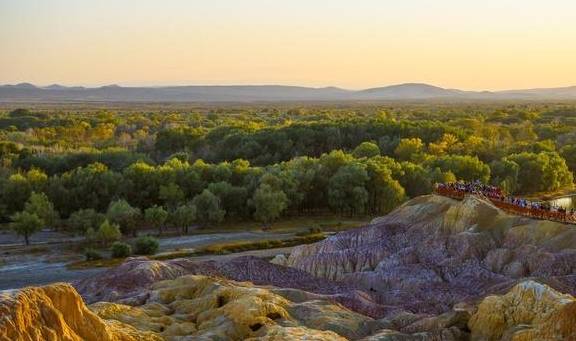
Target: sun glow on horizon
{"type": "Point", "coordinates": [487, 45]}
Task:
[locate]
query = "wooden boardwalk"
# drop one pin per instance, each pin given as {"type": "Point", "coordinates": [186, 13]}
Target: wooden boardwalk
{"type": "Point", "coordinates": [542, 214]}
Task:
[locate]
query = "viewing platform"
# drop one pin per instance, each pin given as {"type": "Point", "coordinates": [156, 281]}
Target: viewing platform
{"type": "Point", "coordinates": [561, 216]}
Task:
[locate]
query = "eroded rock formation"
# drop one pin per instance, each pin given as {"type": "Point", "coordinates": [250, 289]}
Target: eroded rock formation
{"type": "Point", "coordinates": [208, 308]}
{"type": "Point", "coordinates": [434, 252]}
{"type": "Point", "coordinates": [530, 311]}
{"type": "Point", "coordinates": [57, 312]}
{"type": "Point", "coordinates": [130, 282]}
{"type": "Point", "coordinates": [190, 307]}
{"type": "Point", "coordinates": [434, 269]}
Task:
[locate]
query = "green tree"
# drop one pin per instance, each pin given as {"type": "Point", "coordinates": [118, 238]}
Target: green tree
{"type": "Point", "coordinates": [37, 179]}
{"type": "Point", "coordinates": [415, 179]}
{"type": "Point", "coordinates": [384, 192]}
{"type": "Point", "coordinates": [120, 250]}
{"type": "Point", "coordinates": [269, 203]}
{"type": "Point", "coordinates": [437, 176]}
{"type": "Point", "coordinates": [91, 236]}
{"type": "Point", "coordinates": [171, 195]}
{"type": "Point", "coordinates": [366, 149]}
{"type": "Point", "coordinates": [232, 198]}
{"type": "Point", "coordinates": [347, 189]}
{"type": "Point", "coordinates": [146, 245]}
{"type": "Point", "coordinates": [39, 204]}
{"type": "Point", "coordinates": [184, 216]}
{"type": "Point", "coordinates": [8, 149]}
{"type": "Point", "coordinates": [446, 144]}
{"type": "Point", "coordinates": [15, 192]}
{"type": "Point", "coordinates": [409, 149]}
{"type": "Point", "coordinates": [81, 220]}
{"type": "Point", "coordinates": [156, 216]}
{"type": "Point", "coordinates": [309, 192]}
{"type": "Point", "coordinates": [141, 184]}
{"type": "Point", "coordinates": [120, 212]}
{"type": "Point", "coordinates": [569, 154]}
{"type": "Point", "coordinates": [546, 171]}
{"type": "Point", "coordinates": [26, 224]}
{"type": "Point", "coordinates": [92, 186]}
{"type": "Point", "coordinates": [392, 195]}
{"type": "Point", "coordinates": [468, 168]}
{"type": "Point", "coordinates": [108, 233]}
{"type": "Point", "coordinates": [208, 208]}
{"type": "Point", "coordinates": [505, 174]}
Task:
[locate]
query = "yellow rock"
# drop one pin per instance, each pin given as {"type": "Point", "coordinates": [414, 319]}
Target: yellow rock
{"type": "Point", "coordinates": [297, 334]}
{"type": "Point", "coordinates": [187, 308]}
{"type": "Point", "coordinates": [530, 311]}
{"type": "Point", "coordinates": [56, 312]}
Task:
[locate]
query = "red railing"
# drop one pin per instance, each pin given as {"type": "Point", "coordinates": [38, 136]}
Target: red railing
{"type": "Point", "coordinates": [562, 217]}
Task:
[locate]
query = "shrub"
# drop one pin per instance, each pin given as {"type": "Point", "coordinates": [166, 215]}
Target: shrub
{"type": "Point", "coordinates": [81, 220]}
{"type": "Point", "coordinates": [92, 254]}
{"type": "Point", "coordinates": [120, 212]}
{"type": "Point", "coordinates": [90, 235]}
{"type": "Point", "coordinates": [311, 231]}
{"type": "Point", "coordinates": [120, 250]}
{"type": "Point", "coordinates": [146, 245]}
{"type": "Point", "coordinates": [108, 232]}
{"type": "Point", "coordinates": [234, 247]}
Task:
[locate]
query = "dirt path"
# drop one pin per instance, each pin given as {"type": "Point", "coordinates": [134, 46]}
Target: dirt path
{"type": "Point", "coordinates": [20, 271]}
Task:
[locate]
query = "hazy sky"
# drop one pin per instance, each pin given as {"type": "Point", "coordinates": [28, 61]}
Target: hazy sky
{"type": "Point", "coordinates": [485, 44]}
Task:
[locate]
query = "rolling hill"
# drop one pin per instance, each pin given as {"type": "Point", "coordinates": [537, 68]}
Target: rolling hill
{"type": "Point", "coordinates": [26, 92]}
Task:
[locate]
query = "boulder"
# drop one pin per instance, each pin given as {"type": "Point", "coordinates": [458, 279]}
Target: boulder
{"type": "Point", "coordinates": [279, 260]}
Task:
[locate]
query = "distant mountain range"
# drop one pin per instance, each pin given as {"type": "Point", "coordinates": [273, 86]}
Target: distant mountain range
{"type": "Point", "coordinates": [26, 92]}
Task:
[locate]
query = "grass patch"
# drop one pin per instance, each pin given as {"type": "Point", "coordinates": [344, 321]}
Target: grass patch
{"type": "Point", "coordinates": [309, 236]}
{"type": "Point", "coordinates": [173, 255]}
{"type": "Point", "coordinates": [37, 249]}
{"type": "Point", "coordinates": [241, 246]}
{"type": "Point", "coordinates": [310, 232]}
{"type": "Point", "coordinates": [216, 249]}
{"type": "Point", "coordinates": [227, 248]}
{"type": "Point", "coordinates": [292, 224]}
{"type": "Point", "coordinates": [91, 264]}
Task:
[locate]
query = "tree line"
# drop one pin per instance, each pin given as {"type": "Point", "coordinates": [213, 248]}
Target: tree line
{"type": "Point", "coordinates": [134, 170]}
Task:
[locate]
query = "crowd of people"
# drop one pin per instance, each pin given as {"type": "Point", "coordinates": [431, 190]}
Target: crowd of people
{"type": "Point", "coordinates": [521, 206]}
{"type": "Point", "coordinates": [475, 187]}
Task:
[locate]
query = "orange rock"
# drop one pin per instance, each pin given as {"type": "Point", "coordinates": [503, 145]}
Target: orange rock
{"type": "Point", "coordinates": [56, 312]}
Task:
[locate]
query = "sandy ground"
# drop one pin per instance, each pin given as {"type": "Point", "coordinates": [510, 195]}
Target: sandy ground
{"type": "Point", "coordinates": [25, 270]}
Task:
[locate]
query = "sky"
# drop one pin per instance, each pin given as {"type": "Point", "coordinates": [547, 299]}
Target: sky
{"type": "Point", "coordinates": [475, 45]}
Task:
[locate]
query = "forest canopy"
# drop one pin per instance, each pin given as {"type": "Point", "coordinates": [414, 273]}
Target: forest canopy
{"type": "Point", "coordinates": [264, 162]}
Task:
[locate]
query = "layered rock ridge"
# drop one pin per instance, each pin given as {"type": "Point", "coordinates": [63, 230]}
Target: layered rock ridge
{"type": "Point", "coordinates": [434, 252]}
{"type": "Point", "coordinates": [130, 282]}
